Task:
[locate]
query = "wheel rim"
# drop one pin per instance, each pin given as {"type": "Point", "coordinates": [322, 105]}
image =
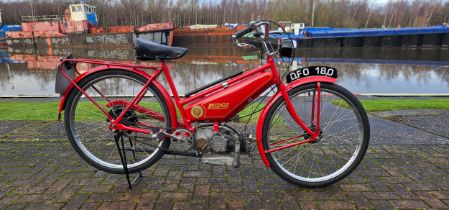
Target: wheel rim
{"type": "Point", "coordinates": [334, 153]}
{"type": "Point", "coordinates": [91, 133]}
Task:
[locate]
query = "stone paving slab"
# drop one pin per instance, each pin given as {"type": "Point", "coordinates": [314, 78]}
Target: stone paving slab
{"type": "Point", "coordinates": [436, 124]}
{"type": "Point", "coordinates": [6, 128]}
{"type": "Point", "coordinates": [430, 120]}
{"type": "Point", "coordinates": [386, 132]}
{"type": "Point", "coordinates": [410, 112]}
{"type": "Point", "coordinates": [405, 167]}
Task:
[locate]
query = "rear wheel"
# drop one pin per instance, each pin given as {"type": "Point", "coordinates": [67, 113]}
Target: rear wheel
{"type": "Point", "coordinates": [342, 144]}
{"type": "Point", "coordinates": [88, 128]}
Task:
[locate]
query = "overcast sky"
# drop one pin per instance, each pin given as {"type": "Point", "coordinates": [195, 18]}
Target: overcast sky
{"type": "Point", "coordinates": [383, 2]}
{"type": "Point", "coordinates": [386, 1]}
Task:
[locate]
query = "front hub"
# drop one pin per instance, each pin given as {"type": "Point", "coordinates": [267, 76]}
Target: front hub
{"type": "Point", "coordinates": [307, 136]}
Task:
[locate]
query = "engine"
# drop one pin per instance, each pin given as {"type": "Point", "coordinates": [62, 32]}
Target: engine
{"type": "Point", "coordinates": [207, 141]}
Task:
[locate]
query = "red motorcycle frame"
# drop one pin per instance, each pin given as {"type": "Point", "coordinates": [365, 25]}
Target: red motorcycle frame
{"type": "Point", "coordinates": [202, 129]}
{"type": "Point", "coordinates": [268, 70]}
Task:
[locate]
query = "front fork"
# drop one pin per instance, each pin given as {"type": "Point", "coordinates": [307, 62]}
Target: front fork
{"type": "Point", "coordinates": [314, 134]}
{"type": "Point", "coordinates": [316, 111]}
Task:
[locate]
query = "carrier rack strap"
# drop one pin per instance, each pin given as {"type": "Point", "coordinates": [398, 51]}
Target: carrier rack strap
{"type": "Point", "coordinates": [212, 84]}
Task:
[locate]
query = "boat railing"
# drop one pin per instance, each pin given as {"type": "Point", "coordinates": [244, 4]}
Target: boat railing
{"type": "Point", "coordinates": [43, 18]}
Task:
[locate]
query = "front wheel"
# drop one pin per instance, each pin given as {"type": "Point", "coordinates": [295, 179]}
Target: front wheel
{"type": "Point", "coordinates": [343, 141]}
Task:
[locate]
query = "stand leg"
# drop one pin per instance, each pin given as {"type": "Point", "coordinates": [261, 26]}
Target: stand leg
{"type": "Point", "coordinates": [123, 157]}
{"type": "Point", "coordinates": [135, 159]}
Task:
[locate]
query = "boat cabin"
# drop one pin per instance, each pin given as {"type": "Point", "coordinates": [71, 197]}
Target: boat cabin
{"type": "Point", "coordinates": [81, 12]}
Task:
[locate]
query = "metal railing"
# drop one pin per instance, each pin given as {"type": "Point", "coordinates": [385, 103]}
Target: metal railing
{"type": "Point", "coordinates": [48, 18]}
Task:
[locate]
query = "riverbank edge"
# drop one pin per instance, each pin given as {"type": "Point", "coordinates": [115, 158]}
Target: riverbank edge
{"type": "Point", "coordinates": [46, 109]}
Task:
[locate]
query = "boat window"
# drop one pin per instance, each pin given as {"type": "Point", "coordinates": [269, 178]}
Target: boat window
{"type": "Point", "coordinates": [85, 8]}
{"type": "Point", "coordinates": [73, 8]}
{"type": "Point", "coordinates": [164, 38]}
{"type": "Point", "coordinates": [79, 8]}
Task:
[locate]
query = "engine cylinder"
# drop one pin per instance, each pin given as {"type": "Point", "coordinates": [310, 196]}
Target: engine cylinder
{"type": "Point", "coordinates": [206, 140]}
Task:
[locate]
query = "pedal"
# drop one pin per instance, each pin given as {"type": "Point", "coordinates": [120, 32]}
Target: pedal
{"type": "Point", "coordinates": [218, 159]}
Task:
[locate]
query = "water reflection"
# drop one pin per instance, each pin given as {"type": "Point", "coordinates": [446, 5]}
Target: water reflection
{"type": "Point", "coordinates": [393, 78]}
{"type": "Point", "coordinates": [30, 73]}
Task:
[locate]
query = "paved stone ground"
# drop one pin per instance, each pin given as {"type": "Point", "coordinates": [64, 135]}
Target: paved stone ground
{"type": "Point", "coordinates": [432, 121]}
{"type": "Point", "coordinates": [405, 167]}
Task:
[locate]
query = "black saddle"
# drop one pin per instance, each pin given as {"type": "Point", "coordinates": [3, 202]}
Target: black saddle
{"type": "Point", "coordinates": [148, 50]}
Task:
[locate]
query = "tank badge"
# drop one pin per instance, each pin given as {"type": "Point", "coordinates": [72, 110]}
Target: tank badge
{"type": "Point", "coordinates": [197, 111]}
{"type": "Point", "coordinates": [218, 106]}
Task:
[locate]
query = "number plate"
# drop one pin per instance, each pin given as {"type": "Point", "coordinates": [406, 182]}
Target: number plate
{"type": "Point", "coordinates": [311, 71]}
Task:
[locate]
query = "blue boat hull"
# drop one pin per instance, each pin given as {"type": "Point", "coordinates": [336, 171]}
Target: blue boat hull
{"type": "Point", "coordinates": [425, 37]}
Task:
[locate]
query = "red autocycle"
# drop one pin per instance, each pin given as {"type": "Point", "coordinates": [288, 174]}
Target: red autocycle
{"type": "Point", "coordinates": [120, 119]}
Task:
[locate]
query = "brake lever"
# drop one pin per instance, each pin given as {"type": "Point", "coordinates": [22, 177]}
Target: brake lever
{"type": "Point", "coordinates": [245, 45]}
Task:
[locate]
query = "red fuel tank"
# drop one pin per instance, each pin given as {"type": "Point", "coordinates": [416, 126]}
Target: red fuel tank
{"type": "Point", "coordinates": [225, 103]}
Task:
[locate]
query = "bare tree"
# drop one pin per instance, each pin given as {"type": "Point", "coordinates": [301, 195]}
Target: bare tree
{"type": "Point", "coordinates": [335, 13]}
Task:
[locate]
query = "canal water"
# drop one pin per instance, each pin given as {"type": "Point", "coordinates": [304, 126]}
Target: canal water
{"type": "Point", "coordinates": [28, 72]}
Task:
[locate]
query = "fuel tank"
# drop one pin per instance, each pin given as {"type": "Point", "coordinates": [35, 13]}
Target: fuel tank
{"type": "Point", "coordinates": [223, 104]}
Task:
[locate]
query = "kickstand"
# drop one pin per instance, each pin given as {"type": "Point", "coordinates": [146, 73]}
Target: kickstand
{"type": "Point", "coordinates": [133, 149]}
{"type": "Point", "coordinates": [121, 151]}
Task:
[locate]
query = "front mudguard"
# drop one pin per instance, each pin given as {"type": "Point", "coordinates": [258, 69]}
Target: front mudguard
{"type": "Point", "coordinates": [273, 99]}
{"type": "Point", "coordinates": [158, 85]}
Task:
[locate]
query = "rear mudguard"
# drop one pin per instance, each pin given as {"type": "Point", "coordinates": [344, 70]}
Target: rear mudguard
{"type": "Point", "coordinates": [273, 99]}
{"type": "Point", "coordinates": [165, 94]}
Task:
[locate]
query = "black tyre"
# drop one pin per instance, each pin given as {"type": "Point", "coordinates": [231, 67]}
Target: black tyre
{"type": "Point", "coordinates": [88, 128]}
{"type": "Point", "coordinates": [345, 134]}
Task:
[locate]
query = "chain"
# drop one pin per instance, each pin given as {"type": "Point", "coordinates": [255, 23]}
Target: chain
{"type": "Point", "coordinates": [152, 146]}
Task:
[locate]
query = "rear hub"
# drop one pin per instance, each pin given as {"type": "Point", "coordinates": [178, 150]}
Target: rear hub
{"type": "Point", "coordinates": [129, 119]}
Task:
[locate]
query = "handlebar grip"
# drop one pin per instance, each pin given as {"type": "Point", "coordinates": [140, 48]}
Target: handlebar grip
{"type": "Point", "coordinates": [243, 32]}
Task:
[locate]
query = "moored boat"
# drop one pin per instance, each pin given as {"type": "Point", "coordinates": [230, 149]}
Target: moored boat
{"type": "Point", "coordinates": [79, 26]}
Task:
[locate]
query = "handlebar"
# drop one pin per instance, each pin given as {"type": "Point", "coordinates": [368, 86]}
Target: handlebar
{"type": "Point", "coordinates": [262, 28]}
{"type": "Point", "coordinates": [243, 32]}
{"type": "Point", "coordinates": [252, 26]}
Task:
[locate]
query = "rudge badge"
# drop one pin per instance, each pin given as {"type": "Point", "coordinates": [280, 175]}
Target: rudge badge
{"type": "Point", "coordinates": [197, 111]}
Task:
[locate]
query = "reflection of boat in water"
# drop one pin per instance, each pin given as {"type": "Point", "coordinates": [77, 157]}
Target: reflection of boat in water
{"type": "Point", "coordinates": [302, 60]}
{"type": "Point", "coordinates": [399, 56]}
{"type": "Point", "coordinates": [363, 71]}
{"type": "Point", "coordinates": [48, 62]}
{"type": "Point", "coordinates": [375, 61]}
{"type": "Point", "coordinates": [41, 59]}
{"type": "Point", "coordinates": [48, 58]}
